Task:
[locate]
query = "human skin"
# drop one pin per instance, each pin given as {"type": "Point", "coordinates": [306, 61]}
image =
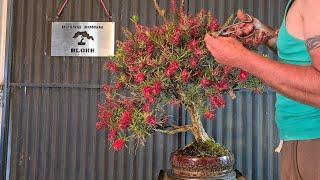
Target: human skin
{"type": "Point", "coordinates": [301, 83]}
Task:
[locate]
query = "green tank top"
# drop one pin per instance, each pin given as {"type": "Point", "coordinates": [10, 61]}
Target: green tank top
{"type": "Point", "coordinates": [295, 121]}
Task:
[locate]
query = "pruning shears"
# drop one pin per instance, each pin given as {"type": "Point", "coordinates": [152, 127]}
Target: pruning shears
{"type": "Point", "coordinates": [236, 22]}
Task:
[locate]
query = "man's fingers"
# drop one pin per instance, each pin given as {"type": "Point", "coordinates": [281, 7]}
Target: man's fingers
{"type": "Point", "coordinates": [208, 38]}
{"type": "Point", "coordinates": [241, 15]}
{"type": "Point", "coordinates": [210, 49]}
{"type": "Point", "coordinates": [213, 41]}
{"type": "Point", "coordinates": [248, 29]}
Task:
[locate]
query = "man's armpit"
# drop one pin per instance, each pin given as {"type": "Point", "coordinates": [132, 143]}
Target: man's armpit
{"type": "Point", "coordinates": [313, 43]}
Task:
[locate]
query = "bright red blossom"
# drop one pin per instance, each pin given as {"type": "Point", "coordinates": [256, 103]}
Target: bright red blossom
{"type": "Point", "coordinates": [112, 67]}
{"type": "Point", "coordinates": [128, 47]}
{"type": "Point", "coordinates": [209, 115]}
{"type": "Point", "coordinates": [139, 78]}
{"type": "Point", "coordinates": [148, 94]}
{"type": "Point", "coordinates": [147, 91]}
{"type": "Point", "coordinates": [198, 52]}
{"type": "Point", "coordinates": [217, 101]}
{"type": "Point", "coordinates": [214, 26]}
{"type": "Point", "coordinates": [173, 6]}
{"type": "Point", "coordinates": [193, 63]}
{"type": "Point", "coordinates": [125, 120]}
{"type": "Point", "coordinates": [150, 48]}
{"type": "Point", "coordinates": [142, 37]}
{"type": "Point", "coordinates": [112, 135]}
{"type": "Point", "coordinates": [146, 108]}
{"type": "Point", "coordinates": [151, 120]}
{"type": "Point", "coordinates": [173, 67]}
{"type": "Point", "coordinates": [101, 125]}
{"type": "Point", "coordinates": [118, 85]}
{"type": "Point", "coordinates": [156, 89]}
{"type": "Point", "coordinates": [192, 45]}
{"type": "Point", "coordinates": [205, 82]}
{"type": "Point", "coordinates": [118, 145]}
{"type": "Point", "coordinates": [222, 85]}
{"type": "Point", "coordinates": [185, 75]}
{"type": "Point", "coordinates": [176, 37]}
{"type": "Point", "coordinates": [243, 76]}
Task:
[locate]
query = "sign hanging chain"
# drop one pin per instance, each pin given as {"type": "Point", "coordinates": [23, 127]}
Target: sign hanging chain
{"type": "Point", "coordinates": [102, 4]}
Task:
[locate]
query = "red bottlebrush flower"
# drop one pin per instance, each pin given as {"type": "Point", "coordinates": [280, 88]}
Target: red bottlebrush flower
{"type": "Point", "coordinates": [198, 52]}
{"type": "Point", "coordinates": [134, 69]}
{"type": "Point", "coordinates": [104, 115]}
{"type": "Point", "coordinates": [222, 85]}
{"type": "Point", "coordinates": [146, 108]}
{"type": "Point", "coordinates": [112, 135]}
{"type": "Point", "coordinates": [147, 91]}
{"type": "Point", "coordinates": [156, 89]}
{"type": "Point", "coordinates": [185, 75]}
{"type": "Point", "coordinates": [139, 78]}
{"type": "Point", "coordinates": [118, 85]}
{"type": "Point", "coordinates": [125, 120]}
{"type": "Point", "coordinates": [151, 100]}
{"type": "Point", "coordinates": [192, 45]}
{"type": "Point", "coordinates": [101, 125]}
{"type": "Point", "coordinates": [243, 76]}
{"type": "Point", "coordinates": [173, 67]}
{"type": "Point", "coordinates": [217, 101]}
{"type": "Point", "coordinates": [128, 47]}
{"type": "Point", "coordinates": [150, 48]}
{"type": "Point", "coordinates": [107, 88]}
{"type": "Point", "coordinates": [112, 67]}
{"type": "Point", "coordinates": [138, 27]}
{"type": "Point", "coordinates": [193, 63]}
{"type": "Point", "coordinates": [151, 120]}
{"type": "Point", "coordinates": [160, 30]}
{"type": "Point", "coordinates": [173, 6]}
{"type": "Point", "coordinates": [209, 115]}
{"type": "Point", "coordinates": [194, 32]}
{"type": "Point", "coordinates": [142, 37]}
{"type": "Point", "coordinates": [148, 94]}
{"type": "Point", "coordinates": [128, 104]}
{"type": "Point", "coordinates": [176, 37]}
{"type": "Point", "coordinates": [118, 144]}
{"type": "Point", "coordinates": [214, 26]}
{"type": "Point", "coordinates": [205, 82]}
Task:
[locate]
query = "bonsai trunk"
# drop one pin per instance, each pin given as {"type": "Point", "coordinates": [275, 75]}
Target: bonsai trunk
{"type": "Point", "coordinates": [197, 128]}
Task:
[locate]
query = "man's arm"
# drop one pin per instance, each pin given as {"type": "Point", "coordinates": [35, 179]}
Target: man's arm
{"type": "Point", "coordinates": [296, 82]}
{"type": "Point", "coordinates": [311, 23]}
{"type": "Point", "coordinates": [301, 83]}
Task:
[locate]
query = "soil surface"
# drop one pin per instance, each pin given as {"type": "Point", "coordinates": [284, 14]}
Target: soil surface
{"type": "Point", "coordinates": [204, 149]}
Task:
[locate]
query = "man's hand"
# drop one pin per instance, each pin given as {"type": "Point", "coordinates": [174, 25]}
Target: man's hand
{"type": "Point", "coordinates": [261, 30]}
{"type": "Point", "coordinates": [226, 50]}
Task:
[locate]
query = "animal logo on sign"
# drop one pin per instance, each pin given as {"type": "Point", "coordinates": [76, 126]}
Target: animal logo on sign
{"type": "Point", "coordinates": [83, 34]}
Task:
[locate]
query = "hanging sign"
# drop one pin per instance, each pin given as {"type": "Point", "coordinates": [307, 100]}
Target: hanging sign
{"type": "Point", "coordinates": [92, 39]}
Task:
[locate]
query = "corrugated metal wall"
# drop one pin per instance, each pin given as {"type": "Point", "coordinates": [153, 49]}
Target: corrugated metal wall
{"type": "Point", "coordinates": [53, 101]}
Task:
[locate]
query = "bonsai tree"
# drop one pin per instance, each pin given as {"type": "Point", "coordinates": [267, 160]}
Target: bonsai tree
{"type": "Point", "coordinates": [167, 64]}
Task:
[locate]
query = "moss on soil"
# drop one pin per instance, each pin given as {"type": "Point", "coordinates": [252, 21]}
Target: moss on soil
{"type": "Point", "coordinates": [204, 149]}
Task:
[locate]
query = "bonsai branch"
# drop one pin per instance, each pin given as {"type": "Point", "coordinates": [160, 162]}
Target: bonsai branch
{"type": "Point", "coordinates": [197, 128]}
{"type": "Point", "coordinates": [182, 4]}
{"type": "Point", "coordinates": [179, 129]}
{"type": "Point", "coordinates": [160, 11]}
